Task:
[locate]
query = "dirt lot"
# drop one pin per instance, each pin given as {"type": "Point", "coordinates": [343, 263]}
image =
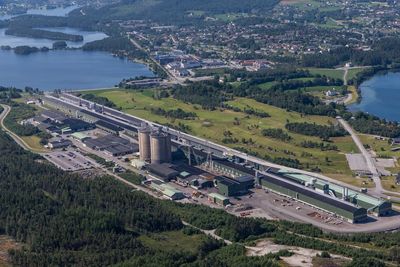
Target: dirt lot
{"type": "Point", "coordinates": [302, 257]}
{"type": "Point", "coordinates": [6, 243]}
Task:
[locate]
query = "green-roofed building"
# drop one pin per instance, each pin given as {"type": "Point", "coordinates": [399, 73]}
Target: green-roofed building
{"type": "Point", "coordinates": [218, 199]}
{"type": "Point", "coordinates": [374, 205]}
{"type": "Point", "coordinates": [79, 136]}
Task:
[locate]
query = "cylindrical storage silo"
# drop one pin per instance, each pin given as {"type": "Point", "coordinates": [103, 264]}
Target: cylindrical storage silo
{"type": "Point", "coordinates": [144, 142]}
{"type": "Point", "coordinates": [157, 143]}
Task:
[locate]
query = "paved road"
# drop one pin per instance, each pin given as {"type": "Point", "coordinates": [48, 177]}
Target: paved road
{"type": "Point", "coordinates": [379, 190]}
{"type": "Point", "coordinates": [367, 156]}
{"type": "Point", "coordinates": [16, 138]}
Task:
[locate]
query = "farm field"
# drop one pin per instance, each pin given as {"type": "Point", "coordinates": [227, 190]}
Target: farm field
{"type": "Point", "coordinates": [245, 128]}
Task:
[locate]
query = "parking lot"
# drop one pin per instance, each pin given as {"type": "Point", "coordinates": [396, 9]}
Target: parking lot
{"type": "Point", "coordinates": [70, 160]}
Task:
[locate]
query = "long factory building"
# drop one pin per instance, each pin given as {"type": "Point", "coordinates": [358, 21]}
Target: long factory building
{"type": "Point", "coordinates": [344, 202]}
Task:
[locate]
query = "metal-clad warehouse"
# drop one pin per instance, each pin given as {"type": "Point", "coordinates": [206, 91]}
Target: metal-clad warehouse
{"type": "Point", "coordinates": [231, 187]}
{"type": "Point", "coordinates": [343, 209]}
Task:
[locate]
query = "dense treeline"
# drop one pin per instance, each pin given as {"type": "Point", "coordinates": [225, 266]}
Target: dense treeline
{"type": "Point", "coordinates": [384, 51]}
{"type": "Point", "coordinates": [205, 94]}
{"type": "Point", "coordinates": [276, 133]}
{"type": "Point", "coordinates": [313, 129]}
{"type": "Point", "coordinates": [99, 100]}
{"type": "Point", "coordinates": [117, 45]}
{"type": "Point", "coordinates": [38, 33]}
{"type": "Point", "coordinates": [320, 145]}
{"type": "Point", "coordinates": [174, 113]}
{"type": "Point", "coordinates": [366, 123]}
{"type": "Point", "coordinates": [7, 93]}
{"type": "Point", "coordinates": [298, 84]}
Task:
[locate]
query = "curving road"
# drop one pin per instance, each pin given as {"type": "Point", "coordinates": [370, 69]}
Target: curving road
{"type": "Point", "coordinates": [16, 138]}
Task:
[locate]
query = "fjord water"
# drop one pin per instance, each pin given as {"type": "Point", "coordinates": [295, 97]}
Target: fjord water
{"type": "Point", "coordinates": [66, 69]}
{"type": "Point", "coordinates": [381, 96]}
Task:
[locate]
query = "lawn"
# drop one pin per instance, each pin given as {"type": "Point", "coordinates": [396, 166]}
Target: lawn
{"type": "Point", "coordinates": [213, 124]}
{"type": "Point", "coordinates": [34, 143]}
{"type": "Point", "coordinates": [173, 241]}
{"type": "Point", "coordinates": [381, 147]}
{"type": "Point", "coordinates": [389, 183]}
{"type": "Point", "coordinates": [267, 85]}
{"type": "Point", "coordinates": [353, 72]}
{"type": "Point", "coordinates": [333, 73]}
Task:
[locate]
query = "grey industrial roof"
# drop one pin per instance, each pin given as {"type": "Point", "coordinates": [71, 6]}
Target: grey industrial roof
{"type": "Point", "coordinates": [119, 148]}
{"type": "Point", "coordinates": [52, 114]}
{"type": "Point", "coordinates": [236, 166]}
{"type": "Point", "coordinates": [163, 170]}
{"type": "Point", "coordinates": [310, 193]}
{"type": "Point", "coordinates": [107, 141]}
{"type": "Point", "coordinates": [108, 125]}
{"type": "Point", "coordinates": [105, 118]}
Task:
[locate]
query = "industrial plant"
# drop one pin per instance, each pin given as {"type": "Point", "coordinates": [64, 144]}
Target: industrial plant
{"type": "Point", "coordinates": [221, 173]}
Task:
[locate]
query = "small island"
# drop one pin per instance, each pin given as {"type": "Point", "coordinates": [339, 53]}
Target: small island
{"type": "Point", "coordinates": [38, 33]}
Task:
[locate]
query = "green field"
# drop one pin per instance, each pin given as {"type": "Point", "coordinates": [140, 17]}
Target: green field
{"type": "Point", "coordinates": [213, 124]}
{"type": "Point", "coordinates": [333, 73]}
{"type": "Point", "coordinates": [353, 72]}
{"type": "Point", "coordinates": [173, 241]}
{"type": "Point", "coordinates": [34, 143]}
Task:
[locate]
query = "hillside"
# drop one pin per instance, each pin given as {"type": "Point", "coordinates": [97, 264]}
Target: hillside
{"type": "Point", "coordinates": [170, 11]}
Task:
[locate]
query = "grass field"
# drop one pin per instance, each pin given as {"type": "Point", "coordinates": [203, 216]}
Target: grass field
{"type": "Point", "coordinates": [389, 183]}
{"type": "Point", "coordinates": [34, 143]}
{"type": "Point", "coordinates": [381, 147]}
{"type": "Point", "coordinates": [333, 73]}
{"type": "Point", "coordinates": [173, 241]}
{"type": "Point", "coordinates": [353, 72]}
{"type": "Point", "coordinates": [213, 124]}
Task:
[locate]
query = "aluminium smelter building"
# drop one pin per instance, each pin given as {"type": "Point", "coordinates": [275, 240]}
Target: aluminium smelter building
{"type": "Point", "coordinates": [346, 210]}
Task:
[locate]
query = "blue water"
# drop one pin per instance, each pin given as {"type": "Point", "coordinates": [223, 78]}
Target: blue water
{"type": "Point", "coordinates": [66, 69]}
{"type": "Point", "coordinates": [14, 41]}
{"type": "Point", "coordinates": [381, 96]}
{"type": "Point", "coordinates": [60, 12]}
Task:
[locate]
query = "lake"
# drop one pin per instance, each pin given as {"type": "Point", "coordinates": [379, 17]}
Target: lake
{"type": "Point", "coordinates": [59, 11]}
{"type": "Point", "coordinates": [380, 96]}
{"type": "Point", "coordinates": [66, 69]}
{"type": "Point", "coordinates": [63, 69]}
{"type": "Point", "coordinates": [14, 41]}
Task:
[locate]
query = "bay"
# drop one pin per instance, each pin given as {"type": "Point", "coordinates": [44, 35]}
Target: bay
{"type": "Point", "coordinates": [380, 96]}
{"type": "Point", "coordinates": [66, 69]}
